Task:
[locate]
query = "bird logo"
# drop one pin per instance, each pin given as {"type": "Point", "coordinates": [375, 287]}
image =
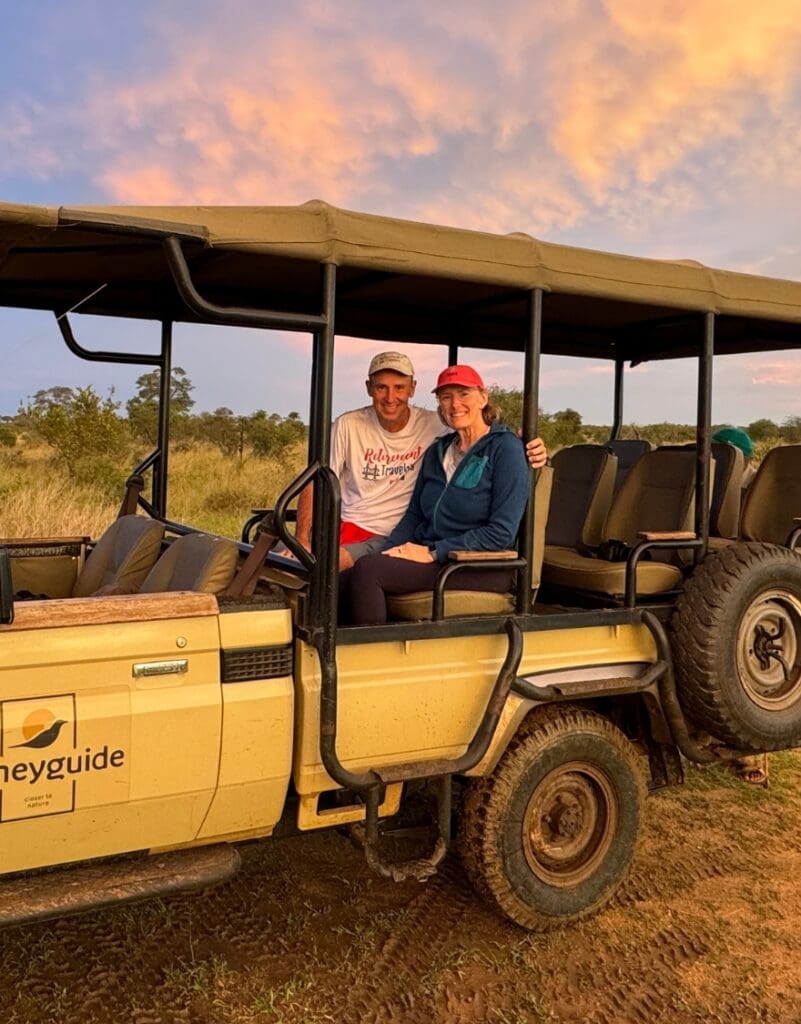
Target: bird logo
{"type": "Point", "coordinates": [40, 729]}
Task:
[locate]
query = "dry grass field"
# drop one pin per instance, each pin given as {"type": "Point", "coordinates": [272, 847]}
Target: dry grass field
{"type": "Point", "coordinates": [207, 490]}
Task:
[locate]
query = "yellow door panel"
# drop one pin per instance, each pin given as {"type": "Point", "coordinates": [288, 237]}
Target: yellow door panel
{"type": "Point", "coordinates": [104, 746]}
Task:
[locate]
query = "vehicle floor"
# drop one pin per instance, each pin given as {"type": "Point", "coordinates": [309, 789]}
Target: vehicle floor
{"type": "Point", "coordinates": [707, 929]}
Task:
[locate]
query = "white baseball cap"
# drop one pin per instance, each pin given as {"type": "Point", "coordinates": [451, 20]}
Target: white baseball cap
{"type": "Point", "coordinates": [396, 361]}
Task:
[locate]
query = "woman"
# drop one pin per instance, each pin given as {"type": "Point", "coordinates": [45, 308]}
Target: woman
{"type": "Point", "coordinates": [470, 496]}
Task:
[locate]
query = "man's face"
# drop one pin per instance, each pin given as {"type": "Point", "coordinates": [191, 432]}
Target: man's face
{"type": "Point", "coordinates": [391, 392]}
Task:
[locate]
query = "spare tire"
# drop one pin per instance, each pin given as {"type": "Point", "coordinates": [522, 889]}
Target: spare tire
{"type": "Point", "coordinates": [737, 646]}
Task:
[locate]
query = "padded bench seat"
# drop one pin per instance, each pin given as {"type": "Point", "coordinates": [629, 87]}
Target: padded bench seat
{"type": "Point", "coordinates": [565, 567]}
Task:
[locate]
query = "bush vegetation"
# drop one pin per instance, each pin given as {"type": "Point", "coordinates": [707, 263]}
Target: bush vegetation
{"type": "Point", "coordinates": [66, 455]}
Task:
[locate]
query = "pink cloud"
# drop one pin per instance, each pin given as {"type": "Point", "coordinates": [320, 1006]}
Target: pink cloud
{"type": "Point", "coordinates": [644, 86]}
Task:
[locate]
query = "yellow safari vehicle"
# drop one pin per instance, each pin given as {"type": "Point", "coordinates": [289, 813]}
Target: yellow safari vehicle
{"type": "Point", "coordinates": [144, 735]}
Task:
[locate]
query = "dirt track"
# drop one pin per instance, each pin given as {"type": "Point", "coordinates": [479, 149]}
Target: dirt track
{"type": "Point", "coordinates": [707, 929]}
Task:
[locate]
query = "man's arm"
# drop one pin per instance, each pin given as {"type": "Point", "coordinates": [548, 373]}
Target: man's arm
{"type": "Point", "coordinates": [304, 523]}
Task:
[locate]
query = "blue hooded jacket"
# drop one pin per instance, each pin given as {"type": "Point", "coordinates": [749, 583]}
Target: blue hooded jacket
{"type": "Point", "coordinates": [479, 508]}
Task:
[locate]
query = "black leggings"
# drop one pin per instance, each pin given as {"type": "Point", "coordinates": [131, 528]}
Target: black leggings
{"type": "Point", "coordinates": [373, 577]}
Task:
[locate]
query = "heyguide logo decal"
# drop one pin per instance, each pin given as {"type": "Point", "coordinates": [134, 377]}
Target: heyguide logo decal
{"type": "Point", "coordinates": [40, 729]}
{"type": "Point", "coordinates": [41, 763]}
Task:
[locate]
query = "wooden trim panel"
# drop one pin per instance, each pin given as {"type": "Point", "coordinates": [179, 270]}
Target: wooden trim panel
{"type": "Point", "coordinates": [95, 611]}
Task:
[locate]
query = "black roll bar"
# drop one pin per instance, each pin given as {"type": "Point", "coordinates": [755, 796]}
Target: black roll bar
{"type": "Point", "coordinates": [130, 358]}
{"type": "Point", "coordinates": [214, 313]}
{"type": "Point", "coordinates": [617, 414]}
{"type": "Point", "coordinates": [163, 361]}
{"type": "Point", "coordinates": [703, 447]}
{"type": "Point", "coordinates": [530, 430]}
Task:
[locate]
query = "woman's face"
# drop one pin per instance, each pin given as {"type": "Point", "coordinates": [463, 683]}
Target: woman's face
{"type": "Point", "coordinates": [461, 407]}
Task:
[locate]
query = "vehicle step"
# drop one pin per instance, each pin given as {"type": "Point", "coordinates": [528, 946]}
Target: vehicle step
{"type": "Point", "coordinates": [89, 886]}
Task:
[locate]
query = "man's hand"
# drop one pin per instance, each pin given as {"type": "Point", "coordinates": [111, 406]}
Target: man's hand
{"type": "Point", "coordinates": [411, 552]}
{"type": "Point", "coordinates": [345, 559]}
{"type": "Point", "coordinates": [536, 453]}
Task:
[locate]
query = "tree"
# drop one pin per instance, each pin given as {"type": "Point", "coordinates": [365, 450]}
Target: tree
{"type": "Point", "coordinates": [84, 426]}
{"type": "Point", "coordinates": [763, 430]}
{"type": "Point", "coordinates": [142, 409]}
{"type": "Point", "coordinates": [220, 428]}
{"type": "Point", "coordinates": [271, 435]}
{"type": "Point", "coordinates": [562, 428]}
{"type": "Point", "coordinates": [60, 396]}
{"type": "Point", "coordinates": [791, 430]}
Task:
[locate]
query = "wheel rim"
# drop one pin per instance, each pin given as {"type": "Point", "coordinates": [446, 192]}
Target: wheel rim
{"type": "Point", "coordinates": [768, 650]}
{"type": "Point", "coordinates": [570, 823]}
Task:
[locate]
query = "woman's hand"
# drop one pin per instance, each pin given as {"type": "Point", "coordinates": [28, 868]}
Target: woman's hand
{"type": "Point", "coordinates": [536, 453]}
{"type": "Point", "coordinates": [411, 552]}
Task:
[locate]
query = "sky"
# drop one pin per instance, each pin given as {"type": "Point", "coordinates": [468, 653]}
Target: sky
{"type": "Point", "coordinates": [669, 129]}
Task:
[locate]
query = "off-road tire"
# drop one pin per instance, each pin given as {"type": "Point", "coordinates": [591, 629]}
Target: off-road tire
{"type": "Point", "coordinates": [737, 620]}
{"type": "Point", "coordinates": [549, 836]}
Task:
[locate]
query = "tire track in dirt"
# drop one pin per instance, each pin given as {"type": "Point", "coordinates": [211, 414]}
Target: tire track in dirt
{"type": "Point", "coordinates": [661, 876]}
{"type": "Point", "coordinates": [384, 994]}
{"type": "Point", "coordinates": [644, 993]}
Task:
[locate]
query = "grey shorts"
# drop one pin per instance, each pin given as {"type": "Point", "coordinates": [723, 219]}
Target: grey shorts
{"type": "Point", "coordinates": [365, 547]}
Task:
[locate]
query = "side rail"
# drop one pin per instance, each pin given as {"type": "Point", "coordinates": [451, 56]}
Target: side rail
{"type": "Point", "coordinates": [475, 560]}
{"type": "Point", "coordinates": [678, 541]}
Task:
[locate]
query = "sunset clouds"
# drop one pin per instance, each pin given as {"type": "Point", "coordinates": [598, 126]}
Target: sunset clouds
{"type": "Point", "coordinates": [513, 117]}
{"type": "Point", "coordinates": [671, 128]}
{"type": "Point", "coordinates": [541, 117]}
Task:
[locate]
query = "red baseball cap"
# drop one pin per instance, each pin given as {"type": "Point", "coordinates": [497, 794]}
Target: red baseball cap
{"type": "Point", "coordinates": [462, 374]}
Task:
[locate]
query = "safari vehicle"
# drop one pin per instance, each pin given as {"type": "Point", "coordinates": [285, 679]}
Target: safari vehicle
{"type": "Point", "coordinates": [144, 735]}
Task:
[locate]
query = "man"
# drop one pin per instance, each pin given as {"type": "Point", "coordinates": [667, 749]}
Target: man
{"type": "Point", "coordinates": [376, 453]}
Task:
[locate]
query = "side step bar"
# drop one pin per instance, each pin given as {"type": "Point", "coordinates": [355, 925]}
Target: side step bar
{"type": "Point", "coordinates": [70, 890]}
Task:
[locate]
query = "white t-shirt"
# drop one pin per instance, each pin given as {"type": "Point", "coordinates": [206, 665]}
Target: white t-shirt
{"type": "Point", "coordinates": [377, 469]}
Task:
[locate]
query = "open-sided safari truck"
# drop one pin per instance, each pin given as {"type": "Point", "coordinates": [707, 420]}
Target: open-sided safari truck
{"type": "Point", "coordinates": [143, 735]}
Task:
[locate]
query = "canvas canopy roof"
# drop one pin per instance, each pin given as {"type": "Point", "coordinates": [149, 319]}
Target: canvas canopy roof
{"type": "Point", "coordinates": [396, 280]}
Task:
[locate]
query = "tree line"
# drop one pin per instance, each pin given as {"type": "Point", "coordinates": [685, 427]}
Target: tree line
{"type": "Point", "coordinates": [80, 425]}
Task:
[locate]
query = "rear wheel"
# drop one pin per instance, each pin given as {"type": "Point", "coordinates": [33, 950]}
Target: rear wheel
{"type": "Point", "coordinates": [550, 835]}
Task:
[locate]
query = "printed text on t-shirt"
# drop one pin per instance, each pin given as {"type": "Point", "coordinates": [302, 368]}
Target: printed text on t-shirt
{"type": "Point", "coordinates": [380, 464]}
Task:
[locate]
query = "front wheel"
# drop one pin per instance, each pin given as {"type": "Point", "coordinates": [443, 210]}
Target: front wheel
{"type": "Point", "coordinates": [550, 835]}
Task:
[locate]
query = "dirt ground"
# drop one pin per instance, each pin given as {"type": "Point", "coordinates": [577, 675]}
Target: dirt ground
{"type": "Point", "coordinates": [707, 929]}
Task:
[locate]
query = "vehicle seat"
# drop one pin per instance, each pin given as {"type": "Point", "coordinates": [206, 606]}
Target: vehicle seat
{"type": "Point", "coordinates": [583, 484]}
{"type": "Point", "coordinates": [121, 558]}
{"type": "Point", "coordinates": [658, 494]}
{"type": "Point", "coordinates": [196, 562]}
{"type": "Point", "coordinates": [417, 605]}
{"type": "Point", "coordinates": [629, 452]}
{"type": "Point", "coordinates": [774, 497]}
{"type": "Point", "coordinates": [727, 478]}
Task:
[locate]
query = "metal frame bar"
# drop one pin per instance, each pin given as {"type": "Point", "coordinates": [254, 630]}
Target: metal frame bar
{"type": "Point", "coordinates": [163, 362]}
{"type": "Point", "coordinates": [211, 312]}
{"type": "Point", "coordinates": [617, 412]}
{"type": "Point", "coordinates": [531, 388]}
{"type": "Point", "coordinates": [703, 447]}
